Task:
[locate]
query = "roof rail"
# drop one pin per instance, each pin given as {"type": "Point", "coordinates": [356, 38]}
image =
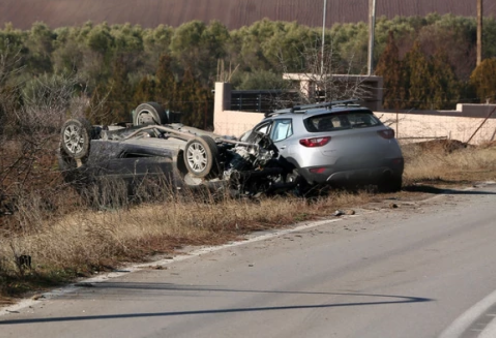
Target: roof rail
{"type": "Point", "coordinates": [325, 104]}
{"type": "Point", "coordinates": [311, 106]}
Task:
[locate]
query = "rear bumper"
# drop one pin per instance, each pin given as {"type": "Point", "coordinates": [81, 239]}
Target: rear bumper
{"type": "Point", "coordinates": [343, 175]}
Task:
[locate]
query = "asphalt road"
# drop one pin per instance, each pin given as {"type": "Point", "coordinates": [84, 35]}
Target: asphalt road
{"type": "Point", "coordinates": [407, 272]}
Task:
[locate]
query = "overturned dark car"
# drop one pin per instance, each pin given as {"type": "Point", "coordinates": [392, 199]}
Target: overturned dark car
{"type": "Point", "coordinates": [150, 147]}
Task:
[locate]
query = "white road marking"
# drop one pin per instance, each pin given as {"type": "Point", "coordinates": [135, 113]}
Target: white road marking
{"type": "Point", "coordinates": [489, 331]}
{"type": "Point", "coordinates": [462, 323]}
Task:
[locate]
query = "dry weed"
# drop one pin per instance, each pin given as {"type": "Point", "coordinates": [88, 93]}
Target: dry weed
{"type": "Point", "coordinates": [87, 241]}
{"type": "Point", "coordinates": [462, 165]}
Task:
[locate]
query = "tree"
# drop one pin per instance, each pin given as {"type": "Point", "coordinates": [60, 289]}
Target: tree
{"type": "Point", "coordinates": [350, 42]}
{"type": "Point", "coordinates": [67, 57]}
{"type": "Point", "coordinates": [100, 40]}
{"type": "Point", "coordinates": [187, 101]}
{"type": "Point", "coordinates": [145, 91]}
{"type": "Point", "coordinates": [287, 43]}
{"type": "Point", "coordinates": [194, 102]}
{"type": "Point", "coordinates": [128, 39]}
{"type": "Point", "coordinates": [197, 47]}
{"type": "Point", "coordinates": [155, 43]}
{"type": "Point", "coordinates": [166, 86]}
{"type": "Point", "coordinates": [259, 80]}
{"type": "Point", "coordinates": [40, 44]}
{"type": "Point", "coordinates": [432, 81]}
{"type": "Point", "coordinates": [483, 79]}
{"type": "Point", "coordinates": [390, 67]}
{"type": "Point", "coordinates": [121, 93]}
{"type": "Point", "coordinates": [112, 102]}
{"type": "Point", "coordinates": [453, 34]}
{"type": "Point", "coordinates": [445, 87]}
{"type": "Point", "coordinates": [418, 70]}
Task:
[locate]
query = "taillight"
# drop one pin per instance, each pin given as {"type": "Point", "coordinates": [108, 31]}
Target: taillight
{"type": "Point", "coordinates": [317, 170]}
{"type": "Point", "coordinates": [315, 142]}
{"type": "Point", "coordinates": [387, 134]}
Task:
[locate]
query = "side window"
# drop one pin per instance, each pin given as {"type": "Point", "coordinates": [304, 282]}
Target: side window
{"type": "Point", "coordinates": [282, 130]}
{"type": "Point", "coordinates": [264, 129]}
{"type": "Point", "coordinates": [251, 135]}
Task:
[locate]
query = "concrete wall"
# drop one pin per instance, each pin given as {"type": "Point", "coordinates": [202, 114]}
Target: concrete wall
{"type": "Point", "coordinates": [228, 122]}
{"type": "Point", "coordinates": [414, 126]}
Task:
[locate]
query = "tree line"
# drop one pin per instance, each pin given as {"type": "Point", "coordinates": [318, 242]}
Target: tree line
{"type": "Point", "coordinates": [427, 63]}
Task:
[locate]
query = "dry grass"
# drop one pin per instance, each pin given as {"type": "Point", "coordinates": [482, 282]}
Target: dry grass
{"type": "Point", "coordinates": [81, 243]}
{"type": "Point", "coordinates": [67, 244]}
{"type": "Point", "coordinates": [441, 164]}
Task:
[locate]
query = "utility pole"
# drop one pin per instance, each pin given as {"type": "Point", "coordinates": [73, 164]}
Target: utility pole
{"type": "Point", "coordinates": [479, 31]}
{"type": "Point", "coordinates": [323, 39]}
{"type": "Point", "coordinates": [370, 63]}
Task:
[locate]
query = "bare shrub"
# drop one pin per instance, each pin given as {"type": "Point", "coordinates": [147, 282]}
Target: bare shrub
{"type": "Point", "coordinates": [10, 67]}
{"type": "Point", "coordinates": [28, 167]}
{"type": "Point", "coordinates": [47, 102]}
{"type": "Point", "coordinates": [330, 78]}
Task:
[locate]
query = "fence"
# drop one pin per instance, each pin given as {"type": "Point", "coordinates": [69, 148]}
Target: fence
{"type": "Point", "coordinates": [260, 101]}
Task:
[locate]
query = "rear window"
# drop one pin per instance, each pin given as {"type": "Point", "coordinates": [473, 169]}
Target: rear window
{"type": "Point", "coordinates": [345, 120]}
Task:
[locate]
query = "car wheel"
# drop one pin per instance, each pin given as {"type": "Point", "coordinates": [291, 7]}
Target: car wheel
{"type": "Point", "coordinates": [75, 138]}
{"type": "Point", "coordinates": [390, 184]}
{"type": "Point", "coordinates": [201, 157]}
{"type": "Point", "coordinates": [301, 185]}
{"type": "Point", "coordinates": [149, 113]}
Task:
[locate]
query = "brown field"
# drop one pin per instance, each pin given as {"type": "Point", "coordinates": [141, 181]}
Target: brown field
{"type": "Point", "coordinates": [232, 13]}
{"type": "Point", "coordinates": [79, 243]}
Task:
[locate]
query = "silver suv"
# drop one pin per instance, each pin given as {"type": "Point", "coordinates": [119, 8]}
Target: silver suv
{"type": "Point", "coordinates": [339, 143]}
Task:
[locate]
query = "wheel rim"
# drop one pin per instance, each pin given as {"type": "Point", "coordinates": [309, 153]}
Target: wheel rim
{"type": "Point", "coordinates": [197, 157]}
{"type": "Point", "coordinates": [143, 118]}
{"type": "Point", "coordinates": [73, 139]}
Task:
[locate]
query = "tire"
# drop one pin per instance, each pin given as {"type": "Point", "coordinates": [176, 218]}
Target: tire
{"type": "Point", "coordinates": [301, 185]}
{"type": "Point", "coordinates": [201, 157]}
{"type": "Point", "coordinates": [149, 113]}
{"type": "Point", "coordinates": [75, 138]}
{"type": "Point", "coordinates": [390, 184]}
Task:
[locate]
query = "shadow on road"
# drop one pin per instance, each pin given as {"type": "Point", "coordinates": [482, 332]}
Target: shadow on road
{"type": "Point", "coordinates": [445, 191]}
{"type": "Point", "coordinates": [393, 300]}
